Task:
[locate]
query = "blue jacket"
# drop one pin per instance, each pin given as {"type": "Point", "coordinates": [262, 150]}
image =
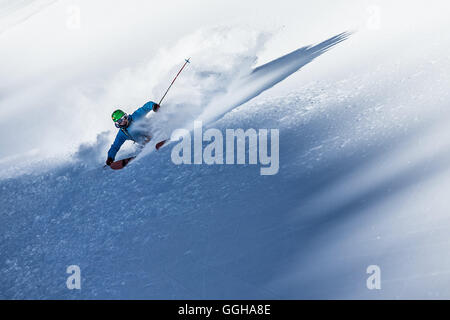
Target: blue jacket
{"type": "Point", "coordinates": [133, 132]}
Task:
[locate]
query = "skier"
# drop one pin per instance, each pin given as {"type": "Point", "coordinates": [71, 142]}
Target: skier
{"type": "Point", "coordinates": [131, 128]}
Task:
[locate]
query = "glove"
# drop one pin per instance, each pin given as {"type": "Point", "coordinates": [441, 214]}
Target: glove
{"type": "Point", "coordinates": [109, 161]}
{"type": "Point", "coordinates": [156, 107]}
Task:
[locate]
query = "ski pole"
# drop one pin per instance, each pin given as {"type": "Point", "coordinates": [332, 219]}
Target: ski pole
{"type": "Point", "coordinates": [187, 61]}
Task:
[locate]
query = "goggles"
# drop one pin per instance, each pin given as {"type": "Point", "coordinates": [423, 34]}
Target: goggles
{"type": "Point", "coordinates": [121, 122]}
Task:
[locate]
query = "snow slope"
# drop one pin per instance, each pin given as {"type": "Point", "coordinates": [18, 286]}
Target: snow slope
{"type": "Point", "coordinates": [16, 12]}
{"type": "Point", "coordinates": [135, 202]}
{"type": "Point", "coordinates": [362, 181]}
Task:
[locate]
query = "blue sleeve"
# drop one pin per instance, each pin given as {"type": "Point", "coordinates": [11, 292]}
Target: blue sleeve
{"type": "Point", "coordinates": [118, 142]}
{"type": "Point", "coordinates": [143, 111]}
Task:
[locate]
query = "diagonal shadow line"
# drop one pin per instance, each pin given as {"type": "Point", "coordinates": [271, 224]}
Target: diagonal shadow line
{"type": "Point", "coordinates": [302, 56]}
{"type": "Point", "coordinates": [268, 75]}
{"type": "Point", "coordinates": [279, 69]}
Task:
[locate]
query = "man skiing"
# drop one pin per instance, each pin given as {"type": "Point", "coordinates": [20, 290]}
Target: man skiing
{"type": "Point", "coordinates": [132, 127]}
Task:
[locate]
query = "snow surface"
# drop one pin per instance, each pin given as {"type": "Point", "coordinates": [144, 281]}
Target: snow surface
{"type": "Point", "coordinates": [364, 172]}
{"type": "Point", "coordinates": [15, 12]}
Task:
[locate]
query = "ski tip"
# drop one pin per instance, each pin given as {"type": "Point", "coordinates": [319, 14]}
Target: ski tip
{"type": "Point", "coordinates": [188, 60]}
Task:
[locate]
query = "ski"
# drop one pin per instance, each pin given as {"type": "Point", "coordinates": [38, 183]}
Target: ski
{"type": "Point", "coordinates": [120, 164]}
{"type": "Point", "coordinates": [160, 144]}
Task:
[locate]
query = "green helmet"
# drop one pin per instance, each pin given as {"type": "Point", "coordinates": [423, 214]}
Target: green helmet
{"type": "Point", "coordinates": [116, 115]}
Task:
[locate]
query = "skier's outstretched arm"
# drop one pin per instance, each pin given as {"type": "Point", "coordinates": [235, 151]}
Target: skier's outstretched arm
{"type": "Point", "coordinates": [145, 109]}
{"type": "Point", "coordinates": [149, 106]}
{"type": "Point", "coordinates": [115, 147]}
